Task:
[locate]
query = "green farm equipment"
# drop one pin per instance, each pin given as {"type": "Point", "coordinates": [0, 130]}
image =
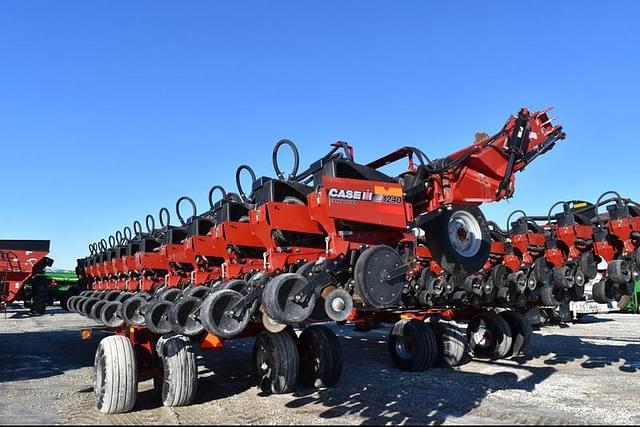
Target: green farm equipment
{"type": "Point", "coordinates": [58, 285]}
{"type": "Point", "coordinates": [633, 306]}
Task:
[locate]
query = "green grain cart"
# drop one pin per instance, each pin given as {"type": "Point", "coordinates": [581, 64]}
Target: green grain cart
{"type": "Point", "coordinates": [48, 287]}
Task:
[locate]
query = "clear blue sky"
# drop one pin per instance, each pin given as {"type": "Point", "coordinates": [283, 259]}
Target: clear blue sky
{"type": "Point", "coordinates": [110, 110]}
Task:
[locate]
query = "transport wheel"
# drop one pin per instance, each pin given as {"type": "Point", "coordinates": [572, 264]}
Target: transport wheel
{"type": "Point", "coordinates": [184, 316]}
{"type": "Point", "coordinates": [178, 384]}
{"type": "Point", "coordinates": [111, 314]}
{"type": "Point", "coordinates": [459, 240]}
{"type": "Point", "coordinates": [320, 357]}
{"type": "Point", "coordinates": [169, 294]}
{"type": "Point", "coordinates": [599, 291]}
{"type": "Point", "coordinates": [215, 317]}
{"type": "Point", "coordinates": [371, 281]}
{"type": "Point", "coordinates": [589, 265]}
{"type": "Point", "coordinates": [96, 310]}
{"type": "Point", "coordinates": [276, 361]}
{"type": "Point", "coordinates": [277, 303]}
{"type": "Point", "coordinates": [156, 317]}
{"type": "Point", "coordinates": [412, 345]}
{"type": "Point", "coordinates": [563, 277]}
{"type": "Point", "coordinates": [542, 271]}
{"type": "Point", "coordinates": [453, 347]}
{"type": "Point", "coordinates": [338, 305]}
{"type": "Point", "coordinates": [115, 375]}
{"type": "Point", "coordinates": [521, 332]}
{"type": "Point", "coordinates": [237, 285]}
{"type": "Point", "coordinates": [130, 310]}
{"type": "Point", "coordinates": [619, 271]}
{"type": "Point", "coordinates": [39, 290]}
{"type": "Point", "coordinates": [87, 306]}
{"type": "Point", "coordinates": [489, 336]}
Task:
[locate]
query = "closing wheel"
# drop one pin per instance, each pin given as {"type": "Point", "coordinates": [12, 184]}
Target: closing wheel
{"type": "Point", "coordinates": [372, 281]}
{"type": "Point", "coordinates": [453, 348]}
{"type": "Point", "coordinates": [115, 382]}
{"type": "Point", "coordinates": [200, 292]}
{"type": "Point", "coordinates": [412, 345]}
{"type": "Point", "coordinates": [184, 316]}
{"type": "Point", "coordinates": [277, 299]}
{"type": "Point", "coordinates": [169, 294]}
{"type": "Point", "coordinates": [521, 332]}
{"type": "Point", "coordinates": [178, 384]}
{"type": "Point", "coordinates": [549, 295]}
{"type": "Point", "coordinates": [72, 302]}
{"type": "Point", "coordinates": [276, 361]}
{"type": "Point", "coordinates": [589, 265]}
{"type": "Point", "coordinates": [542, 271]}
{"type": "Point", "coordinates": [489, 336]}
{"type": "Point", "coordinates": [499, 275]}
{"type": "Point", "coordinates": [156, 317]}
{"type": "Point", "coordinates": [619, 271]}
{"type": "Point", "coordinates": [563, 277]}
{"type": "Point", "coordinates": [112, 295]}
{"type": "Point", "coordinates": [87, 306]}
{"type": "Point", "coordinates": [237, 285]}
{"type": "Point", "coordinates": [124, 296]}
{"type": "Point", "coordinates": [320, 357]}
{"type": "Point", "coordinates": [338, 305]}
{"type": "Point", "coordinates": [96, 310]}
{"type": "Point", "coordinates": [130, 310]}
{"type": "Point", "coordinates": [215, 315]}
{"type": "Point", "coordinates": [111, 314]}
{"type": "Point", "coordinates": [459, 239]}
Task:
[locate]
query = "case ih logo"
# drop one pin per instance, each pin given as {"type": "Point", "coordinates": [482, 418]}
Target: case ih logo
{"type": "Point", "coordinates": [379, 194]}
{"type": "Point", "coordinates": [335, 193]}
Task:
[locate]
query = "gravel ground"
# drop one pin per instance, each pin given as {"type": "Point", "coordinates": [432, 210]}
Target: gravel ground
{"type": "Point", "coordinates": [586, 373]}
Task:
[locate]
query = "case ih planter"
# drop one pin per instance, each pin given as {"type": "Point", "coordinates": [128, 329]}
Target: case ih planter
{"type": "Point", "coordinates": [339, 241]}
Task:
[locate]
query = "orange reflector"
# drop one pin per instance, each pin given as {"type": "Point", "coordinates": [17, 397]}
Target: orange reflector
{"type": "Point", "coordinates": [211, 342]}
{"type": "Point", "coordinates": [85, 334]}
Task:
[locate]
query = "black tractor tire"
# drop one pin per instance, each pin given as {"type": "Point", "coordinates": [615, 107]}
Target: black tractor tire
{"type": "Point", "coordinates": [453, 347]}
{"type": "Point", "coordinates": [320, 357]}
{"type": "Point", "coordinates": [276, 361]}
{"type": "Point", "coordinates": [468, 261]}
{"type": "Point", "coordinates": [178, 384]}
{"type": "Point", "coordinates": [521, 332]}
{"type": "Point", "coordinates": [489, 336]}
{"type": "Point", "coordinates": [599, 292]}
{"type": "Point", "coordinates": [39, 291]}
{"type": "Point", "coordinates": [619, 271]}
{"type": "Point", "coordinates": [115, 375]}
{"type": "Point", "coordinates": [412, 345]}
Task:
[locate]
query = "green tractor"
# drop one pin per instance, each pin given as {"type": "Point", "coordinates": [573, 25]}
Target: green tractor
{"type": "Point", "coordinates": [48, 287]}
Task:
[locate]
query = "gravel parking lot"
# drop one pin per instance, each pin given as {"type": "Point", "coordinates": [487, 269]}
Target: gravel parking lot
{"type": "Point", "coordinates": [583, 373]}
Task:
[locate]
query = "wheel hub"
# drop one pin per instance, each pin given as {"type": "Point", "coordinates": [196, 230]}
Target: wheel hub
{"type": "Point", "coordinates": [464, 233]}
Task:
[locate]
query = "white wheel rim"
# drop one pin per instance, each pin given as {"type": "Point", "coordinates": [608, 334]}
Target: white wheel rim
{"type": "Point", "coordinates": [465, 234]}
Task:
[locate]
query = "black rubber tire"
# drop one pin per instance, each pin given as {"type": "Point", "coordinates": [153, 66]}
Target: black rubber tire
{"type": "Point", "coordinates": [184, 316]}
{"type": "Point", "coordinates": [200, 292]}
{"type": "Point", "coordinates": [213, 317]}
{"type": "Point", "coordinates": [39, 295]}
{"type": "Point", "coordinates": [412, 345]}
{"type": "Point", "coordinates": [547, 296]}
{"type": "Point", "coordinates": [237, 285]}
{"type": "Point", "coordinates": [132, 310]}
{"type": "Point", "coordinates": [563, 277]}
{"type": "Point", "coordinates": [179, 383]}
{"type": "Point", "coordinates": [444, 252]}
{"type": "Point", "coordinates": [497, 332]}
{"type": "Point", "coordinates": [64, 301]}
{"type": "Point", "coordinates": [599, 292]}
{"type": "Point", "coordinates": [96, 310]}
{"type": "Point", "coordinates": [276, 303]}
{"type": "Point", "coordinates": [453, 347]}
{"type": "Point", "coordinates": [169, 294]}
{"type": "Point", "coordinates": [320, 357]}
{"type": "Point", "coordinates": [276, 361]}
{"type": "Point", "coordinates": [619, 271]}
{"type": "Point", "coordinates": [115, 375]}
{"type": "Point", "coordinates": [156, 317]}
{"type": "Point", "coordinates": [588, 265]}
{"type": "Point", "coordinates": [87, 305]}
{"type": "Point", "coordinates": [521, 332]}
{"type": "Point", "coordinates": [111, 314]}
{"type": "Point", "coordinates": [542, 271]}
